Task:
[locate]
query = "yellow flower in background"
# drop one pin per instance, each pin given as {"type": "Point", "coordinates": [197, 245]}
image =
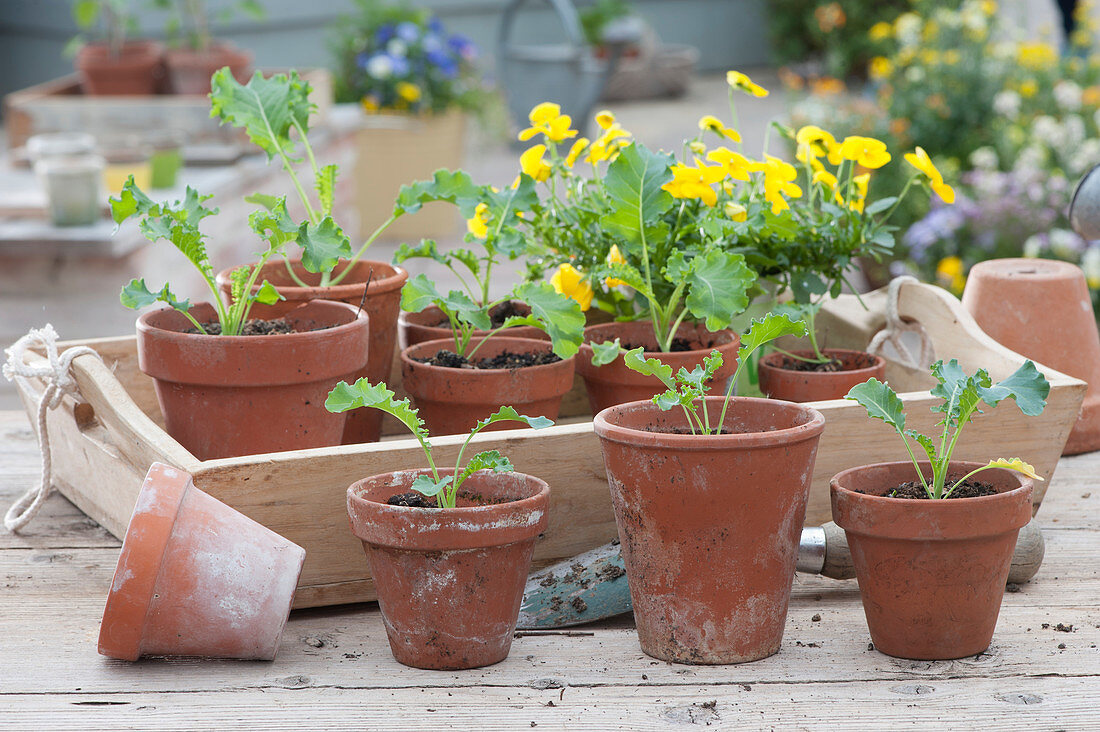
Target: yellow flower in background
{"type": "Point", "coordinates": [814, 142]}
{"type": "Point", "coordinates": [607, 145]}
{"type": "Point", "coordinates": [951, 57]}
{"type": "Point", "coordinates": [949, 272]}
{"type": "Point", "coordinates": [532, 164]}
{"type": "Point", "coordinates": [712, 123]}
{"type": "Point", "coordinates": [865, 151]}
{"type": "Point", "coordinates": [779, 177]}
{"type": "Point", "coordinates": [575, 151]}
{"type": "Point", "coordinates": [989, 7]}
{"type": "Point", "coordinates": [919, 159]}
{"type": "Point", "coordinates": [689, 182]}
{"type": "Point", "coordinates": [408, 91]}
{"type": "Point", "coordinates": [929, 57]}
{"type": "Point", "coordinates": [827, 86]}
{"type": "Point", "coordinates": [614, 257]}
{"type": "Point", "coordinates": [479, 224]}
{"type": "Point", "coordinates": [547, 119]}
{"type": "Point", "coordinates": [1037, 56]}
{"type": "Point", "coordinates": [880, 31]}
{"type": "Point", "coordinates": [737, 80]}
{"type": "Point", "coordinates": [736, 212]}
{"type": "Point", "coordinates": [1090, 96]}
{"type": "Point", "coordinates": [880, 67]}
{"type": "Point", "coordinates": [860, 193]}
{"type": "Point", "coordinates": [569, 281]}
{"type": "Point", "coordinates": [1029, 88]}
{"type": "Point", "coordinates": [369, 104]}
{"type": "Point", "coordinates": [605, 119]}
{"type": "Point", "coordinates": [931, 28]}
{"type": "Point", "coordinates": [737, 166]}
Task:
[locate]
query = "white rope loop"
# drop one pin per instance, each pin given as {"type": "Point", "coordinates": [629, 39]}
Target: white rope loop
{"type": "Point", "coordinates": [59, 382]}
{"type": "Point", "coordinates": [895, 326]}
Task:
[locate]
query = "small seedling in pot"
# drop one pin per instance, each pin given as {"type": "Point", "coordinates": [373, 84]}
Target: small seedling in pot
{"type": "Point", "coordinates": [688, 389]}
{"type": "Point", "coordinates": [962, 396]}
{"type": "Point", "coordinates": [444, 489]}
{"type": "Point", "coordinates": [178, 223]}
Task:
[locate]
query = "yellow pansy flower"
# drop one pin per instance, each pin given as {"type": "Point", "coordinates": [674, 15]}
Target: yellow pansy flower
{"type": "Point", "coordinates": [607, 145]}
{"type": "Point", "coordinates": [1037, 56]}
{"type": "Point", "coordinates": [860, 198]}
{"type": "Point", "coordinates": [689, 182]}
{"type": "Point", "coordinates": [479, 224]}
{"type": "Point", "coordinates": [814, 142]}
{"type": "Point", "coordinates": [736, 212]}
{"type": "Point", "coordinates": [865, 151]}
{"type": "Point", "coordinates": [919, 159]}
{"type": "Point", "coordinates": [949, 272]}
{"type": "Point", "coordinates": [569, 281]}
{"type": "Point", "coordinates": [532, 164]}
{"type": "Point", "coordinates": [737, 80]}
{"type": "Point", "coordinates": [880, 67]}
{"type": "Point", "coordinates": [712, 123]}
{"type": "Point", "coordinates": [575, 151]}
{"type": "Point", "coordinates": [605, 119]}
{"type": "Point", "coordinates": [614, 257]}
{"type": "Point", "coordinates": [547, 119]}
{"type": "Point", "coordinates": [779, 177]}
{"type": "Point", "coordinates": [826, 178]}
{"type": "Point", "coordinates": [880, 31]}
{"type": "Point", "coordinates": [737, 165]}
{"type": "Point", "coordinates": [1029, 88]}
{"type": "Point", "coordinates": [408, 91]}
{"type": "Point", "coordinates": [369, 104]}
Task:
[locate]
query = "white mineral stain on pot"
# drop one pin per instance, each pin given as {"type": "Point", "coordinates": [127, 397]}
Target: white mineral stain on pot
{"type": "Point", "coordinates": [121, 578]}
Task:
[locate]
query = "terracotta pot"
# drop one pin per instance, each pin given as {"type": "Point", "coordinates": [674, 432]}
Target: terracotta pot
{"type": "Point", "coordinates": [710, 525]}
{"type": "Point", "coordinates": [382, 304]}
{"type": "Point", "coordinates": [197, 578]}
{"type": "Point", "coordinates": [189, 71]}
{"type": "Point", "coordinates": [931, 572]}
{"type": "Point", "coordinates": [1041, 309]}
{"type": "Point", "coordinates": [450, 581]}
{"type": "Point", "coordinates": [135, 71]}
{"type": "Point", "coordinates": [615, 384]}
{"type": "Point", "coordinates": [225, 396]}
{"type": "Point", "coordinates": [430, 324]}
{"type": "Point", "coordinates": [451, 401]}
{"type": "Point", "coordinates": [814, 386]}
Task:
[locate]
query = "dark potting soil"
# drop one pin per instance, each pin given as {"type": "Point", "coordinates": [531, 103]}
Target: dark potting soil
{"type": "Point", "coordinates": [256, 327]}
{"type": "Point", "coordinates": [860, 361]}
{"type": "Point", "coordinates": [503, 360]}
{"type": "Point", "coordinates": [678, 344]}
{"type": "Point", "coordinates": [685, 430]}
{"type": "Point", "coordinates": [411, 499]}
{"type": "Point", "coordinates": [912, 489]}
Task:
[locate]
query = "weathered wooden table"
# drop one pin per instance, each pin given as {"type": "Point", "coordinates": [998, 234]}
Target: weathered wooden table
{"type": "Point", "coordinates": [334, 670]}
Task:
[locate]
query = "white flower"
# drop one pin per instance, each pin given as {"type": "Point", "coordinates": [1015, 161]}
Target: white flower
{"type": "Point", "coordinates": [1064, 243]}
{"type": "Point", "coordinates": [907, 28]}
{"type": "Point", "coordinates": [1090, 263]}
{"type": "Point", "coordinates": [1007, 104]}
{"type": "Point", "coordinates": [380, 67]}
{"type": "Point", "coordinates": [914, 74]}
{"type": "Point", "coordinates": [1074, 132]}
{"type": "Point", "coordinates": [1046, 129]}
{"type": "Point", "coordinates": [1033, 246]}
{"type": "Point", "coordinates": [1088, 155]}
{"type": "Point", "coordinates": [1068, 95]}
{"type": "Point", "coordinates": [984, 158]}
{"type": "Point", "coordinates": [396, 47]}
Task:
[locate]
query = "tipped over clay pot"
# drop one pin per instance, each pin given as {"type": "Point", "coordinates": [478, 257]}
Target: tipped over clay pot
{"type": "Point", "coordinates": [614, 383]}
{"type": "Point", "coordinates": [710, 524]}
{"type": "Point", "coordinates": [1042, 310]}
{"type": "Point", "coordinates": [931, 572]}
{"type": "Point", "coordinates": [452, 400]}
{"type": "Point", "coordinates": [450, 581]}
{"type": "Point", "coordinates": [225, 396]}
{"type": "Point", "coordinates": [815, 386]}
{"type": "Point", "coordinates": [197, 578]}
{"type": "Point", "coordinates": [382, 305]}
{"type": "Point", "coordinates": [430, 324]}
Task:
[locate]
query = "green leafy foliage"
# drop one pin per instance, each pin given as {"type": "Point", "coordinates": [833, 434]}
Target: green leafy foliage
{"type": "Point", "coordinates": [718, 284]}
{"type": "Point", "coordinates": [633, 185]}
{"type": "Point", "coordinates": [961, 396]}
{"type": "Point", "coordinates": [606, 352]}
{"type": "Point", "coordinates": [454, 187]}
{"type": "Point", "coordinates": [323, 245]}
{"type": "Point", "coordinates": [559, 316]}
{"type": "Point", "coordinates": [267, 109]}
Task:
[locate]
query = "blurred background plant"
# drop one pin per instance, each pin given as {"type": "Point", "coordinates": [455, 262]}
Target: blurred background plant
{"type": "Point", "coordinates": [596, 17]}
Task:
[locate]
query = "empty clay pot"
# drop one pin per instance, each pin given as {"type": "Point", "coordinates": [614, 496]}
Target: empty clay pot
{"type": "Point", "coordinates": [430, 324]}
{"type": "Point", "coordinates": [224, 396]}
{"type": "Point", "coordinates": [710, 525]}
{"type": "Point", "coordinates": [614, 383]}
{"type": "Point", "coordinates": [1041, 309]}
{"type": "Point", "coordinates": [931, 572]}
{"type": "Point", "coordinates": [815, 386]}
{"type": "Point", "coordinates": [382, 304]}
{"type": "Point", "coordinates": [452, 400]}
{"type": "Point", "coordinates": [197, 578]}
{"type": "Point", "coordinates": [135, 70]}
{"type": "Point", "coordinates": [189, 71]}
{"type": "Point", "coordinates": [450, 581]}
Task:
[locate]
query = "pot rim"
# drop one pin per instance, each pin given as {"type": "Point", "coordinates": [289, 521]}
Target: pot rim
{"type": "Point", "coordinates": [134, 46]}
{"type": "Point", "coordinates": [767, 362]}
{"type": "Point", "coordinates": [408, 361]}
{"type": "Point", "coordinates": [734, 338]}
{"type": "Point", "coordinates": [143, 325]}
{"type": "Point", "coordinates": [963, 466]}
{"type": "Point", "coordinates": [378, 285]}
{"type": "Point", "coordinates": [607, 430]}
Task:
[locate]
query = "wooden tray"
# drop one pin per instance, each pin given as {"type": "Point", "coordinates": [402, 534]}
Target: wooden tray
{"type": "Point", "coordinates": [103, 446]}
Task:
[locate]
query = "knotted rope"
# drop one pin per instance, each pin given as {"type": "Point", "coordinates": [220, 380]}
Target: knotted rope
{"type": "Point", "coordinates": [59, 382]}
{"type": "Point", "coordinates": [895, 326]}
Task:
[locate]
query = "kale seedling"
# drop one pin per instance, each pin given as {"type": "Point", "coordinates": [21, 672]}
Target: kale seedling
{"type": "Point", "coordinates": [688, 389]}
{"type": "Point", "coordinates": [962, 395]}
{"type": "Point", "coordinates": [178, 223]}
{"type": "Point", "coordinates": [362, 393]}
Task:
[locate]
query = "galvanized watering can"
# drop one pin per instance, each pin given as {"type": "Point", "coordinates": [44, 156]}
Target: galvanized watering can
{"type": "Point", "coordinates": [1084, 209]}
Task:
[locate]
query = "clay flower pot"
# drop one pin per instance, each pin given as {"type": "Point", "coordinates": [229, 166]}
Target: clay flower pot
{"type": "Point", "coordinates": [135, 70]}
{"type": "Point", "coordinates": [189, 71]}
{"type": "Point", "coordinates": [382, 304]}
{"type": "Point", "coordinates": [225, 396]}
{"type": "Point", "coordinates": [931, 572]}
{"type": "Point", "coordinates": [451, 400]}
{"type": "Point", "coordinates": [614, 383]}
{"type": "Point", "coordinates": [196, 578]}
{"type": "Point", "coordinates": [815, 386]}
{"type": "Point", "coordinates": [1041, 309]}
{"type": "Point", "coordinates": [430, 324]}
{"type": "Point", "coordinates": [450, 581]}
{"type": "Point", "coordinates": [710, 525]}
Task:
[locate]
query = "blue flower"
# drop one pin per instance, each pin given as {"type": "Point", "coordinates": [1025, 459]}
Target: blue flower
{"type": "Point", "coordinates": [362, 59]}
{"type": "Point", "coordinates": [400, 65]}
{"type": "Point", "coordinates": [443, 62]}
{"type": "Point", "coordinates": [463, 46]}
{"type": "Point", "coordinates": [435, 25]}
{"type": "Point", "coordinates": [432, 43]}
{"type": "Point", "coordinates": [384, 34]}
{"type": "Point", "coordinates": [408, 32]}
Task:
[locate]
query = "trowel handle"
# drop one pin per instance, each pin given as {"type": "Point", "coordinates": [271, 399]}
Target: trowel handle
{"type": "Point", "coordinates": [824, 550]}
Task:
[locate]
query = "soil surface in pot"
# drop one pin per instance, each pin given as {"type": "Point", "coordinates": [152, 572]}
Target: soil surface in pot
{"type": "Point", "coordinates": [257, 327]}
{"type": "Point", "coordinates": [854, 363]}
{"type": "Point", "coordinates": [464, 499]}
{"type": "Point", "coordinates": [678, 345]}
{"type": "Point", "coordinates": [503, 360]}
{"type": "Point", "coordinates": [686, 431]}
{"type": "Point", "coordinates": [912, 489]}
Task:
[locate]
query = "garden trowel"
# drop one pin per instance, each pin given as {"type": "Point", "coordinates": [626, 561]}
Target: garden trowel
{"type": "Point", "coordinates": [592, 586]}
